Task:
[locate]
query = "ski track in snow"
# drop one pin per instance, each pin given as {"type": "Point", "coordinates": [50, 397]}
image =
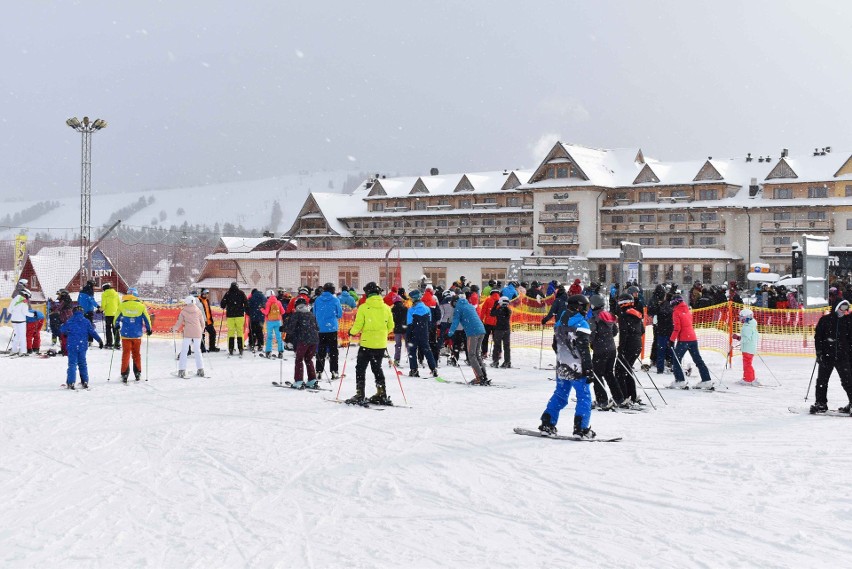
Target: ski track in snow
{"type": "Point", "coordinates": [230, 472]}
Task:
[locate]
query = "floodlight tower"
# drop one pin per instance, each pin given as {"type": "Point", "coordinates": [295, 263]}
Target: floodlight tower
{"type": "Point", "coordinates": [86, 128]}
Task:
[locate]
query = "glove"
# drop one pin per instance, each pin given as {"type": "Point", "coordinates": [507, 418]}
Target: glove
{"type": "Point", "coordinates": [736, 336]}
{"type": "Point", "coordinates": [544, 321]}
{"type": "Point", "coordinates": [819, 356]}
{"type": "Point", "coordinates": [149, 332]}
{"type": "Point", "coordinates": [589, 375]}
{"type": "Point", "coordinates": [100, 345]}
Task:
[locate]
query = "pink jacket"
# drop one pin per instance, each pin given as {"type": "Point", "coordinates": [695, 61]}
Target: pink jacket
{"type": "Point", "coordinates": [270, 302]}
{"type": "Point", "coordinates": [191, 319]}
{"type": "Point", "coordinates": [682, 320]}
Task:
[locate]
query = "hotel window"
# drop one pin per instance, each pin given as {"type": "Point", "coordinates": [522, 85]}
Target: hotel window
{"type": "Point", "coordinates": [706, 240]}
{"type": "Point", "coordinates": [464, 221]}
{"type": "Point", "coordinates": [654, 273]}
{"type": "Point", "coordinates": [616, 242]}
{"type": "Point", "coordinates": [444, 201]}
{"type": "Point", "coordinates": [488, 221]}
{"type": "Point", "coordinates": [309, 276]}
{"type": "Point", "coordinates": [849, 191]}
{"type": "Point", "coordinates": [678, 193]}
{"type": "Point", "coordinates": [781, 240]}
{"type": "Point", "coordinates": [419, 204]}
{"type": "Point", "coordinates": [816, 215]}
{"type": "Point", "coordinates": [677, 217]}
{"type": "Point", "coordinates": [441, 244]}
{"type": "Point", "coordinates": [513, 221]}
{"type": "Point", "coordinates": [818, 192]}
{"type": "Point", "coordinates": [668, 272]}
{"type": "Point", "coordinates": [513, 242]}
{"type": "Point", "coordinates": [489, 200]}
{"type": "Point", "coordinates": [420, 243]}
{"type": "Point", "coordinates": [419, 223]}
{"type": "Point", "coordinates": [645, 197]}
{"type": "Point", "coordinates": [441, 223]}
{"type": "Point", "coordinates": [437, 275]}
{"type": "Point", "coordinates": [620, 196]}
{"type": "Point", "coordinates": [646, 240]}
{"type": "Point", "coordinates": [378, 206]}
{"type": "Point", "coordinates": [601, 273]}
{"type": "Point", "coordinates": [356, 225]}
{"type": "Point", "coordinates": [676, 241]}
{"type": "Point", "coordinates": [513, 201]}
{"type": "Point", "coordinates": [687, 273]}
{"type": "Point", "coordinates": [849, 224]}
{"type": "Point", "coordinates": [783, 193]}
{"type": "Point", "coordinates": [617, 219]}
{"type": "Point", "coordinates": [464, 204]}
{"type": "Point", "coordinates": [708, 216]}
{"type": "Point", "coordinates": [707, 273]}
{"type": "Point", "coordinates": [708, 194]}
{"type": "Point", "coordinates": [782, 216]}
{"type": "Point", "coordinates": [560, 207]}
{"type": "Point", "coordinates": [488, 243]}
{"type": "Point", "coordinates": [464, 243]}
{"type": "Point", "coordinates": [562, 172]}
{"type": "Point", "coordinates": [347, 276]}
{"type": "Point", "coordinates": [397, 224]}
{"type": "Point", "coordinates": [647, 218]}
{"type": "Point", "coordinates": [492, 274]}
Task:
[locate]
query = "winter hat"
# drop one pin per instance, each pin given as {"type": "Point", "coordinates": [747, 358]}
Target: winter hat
{"type": "Point", "coordinates": [189, 300]}
{"type": "Point", "coordinates": [746, 314]}
{"type": "Point", "coordinates": [106, 286]}
{"type": "Point", "coordinates": [842, 307]}
{"type": "Point", "coordinates": [415, 294]}
{"type": "Point", "coordinates": [396, 298]}
{"type": "Point", "coordinates": [133, 291]}
{"type": "Point", "coordinates": [428, 287]}
{"type": "Point", "coordinates": [300, 302]}
{"type": "Point", "coordinates": [504, 300]}
{"type": "Point", "coordinates": [269, 293]}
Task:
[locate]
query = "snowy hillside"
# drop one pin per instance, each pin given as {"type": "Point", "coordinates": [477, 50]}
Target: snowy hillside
{"type": "Point", "coordinates": [240, 203]}
{"type": "Point", "coordinates": [230, 471]}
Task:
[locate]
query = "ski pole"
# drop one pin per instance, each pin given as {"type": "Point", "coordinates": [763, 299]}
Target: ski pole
{"type": "Point", "coordinates": [636, 379]}
{"type": "Point", "coordinates": [541, 347]}
{"type": "Point", "coordinates": [219, 335]}
{"type": "Point", "coordinates": [111, 355]}
{"type": "Point", "coordinates": [174, 343]}
{"type": "Point", "coordinates": [599, 382]}
{"type": "Point", "coordinates": [342, 375]}
{"type": "Point", "coordinates": [147, 344]}
{"type": "Point", "coordinates": [812, 379]}
{"type": "Point", "coordinates": [769, 370]}
{"type": "Point", "coordinates": [9, 343]}
{"type": "Point", "coordinates": [655, 387]}
{"type": "Point", "coordinates": [397, 375]}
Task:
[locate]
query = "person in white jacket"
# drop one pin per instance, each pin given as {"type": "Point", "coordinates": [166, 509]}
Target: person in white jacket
{"type": "Point", "coordinates": [19, 309]}
{"type": "Point", "coordinates": [191, 321]}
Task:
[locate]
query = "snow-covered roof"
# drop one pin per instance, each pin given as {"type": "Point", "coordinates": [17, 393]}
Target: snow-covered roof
{"type": "Point", "coordinates": [336, 206]}
{"type": "Point", "coordinates": [242, 244]}
{"type": "Point", "coordinates": [657, 253]}
{"type": "Point", "coordinates": [158, 277]}
{"type": "Point", "coordinates": [379, 254]}
{"type": "Point", "coordinates": [218, 282]}
{"type": "Point", "coordinates": [55, 267]}
{"type": "Point", "coordinates": [441, 184]}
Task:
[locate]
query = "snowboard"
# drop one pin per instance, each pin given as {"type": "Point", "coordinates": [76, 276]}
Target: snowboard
{"type": "Point", "coordinates": [537, 433]}
{"type": "Point", "coordinates": [806, 411]}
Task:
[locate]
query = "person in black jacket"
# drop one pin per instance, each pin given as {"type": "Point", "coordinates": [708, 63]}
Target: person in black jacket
{"type": "Point", "coordinates": [604, 327]}
{"type": "Point", "coordinates": [256, 302]}
{"type": "Point", "coordinates": [400, 313]}
{"type": "Point", "coordinates": [833, 342]}
{"type": "Point", "coordinates": [502, 333]}
{"type": "Point", "coordinates": [661, 310]}
{"type": "Point", "coordinates": [235, 304]}
{"type": "Point", "coordinates": [631, 325]}
{"type": "Point", "coordinates": [556, 309]}
{"type": "Point", "coordinates": [419, 323]}
{"type": "Point", "coordinates": [303, 332]}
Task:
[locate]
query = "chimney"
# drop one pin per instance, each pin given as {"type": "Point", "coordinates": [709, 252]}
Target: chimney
{"type": "Point", "coordinates": [753, 188]}
{"type": "Point", "coordinates": [784, 153]}
{"type": "Point", "coordinates": [433, 172]}
{"type": "Point", "coordinates": [816, 151]}
{"type": "Point", "coordinates": [760, 159]}
{"type": "Point", "coordinates": [748, 157]}
{"type": "Point", "coordinates": [768, 158]}
{"type": "Point", "coordinates": [709, 158]}
{"type": "Point", "coordinates": [828, 149]}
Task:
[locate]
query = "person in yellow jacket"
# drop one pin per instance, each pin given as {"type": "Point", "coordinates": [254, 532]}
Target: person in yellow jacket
{"type": "Point", "coordinates": [131, 322]}
{"type": "Point", "coordinates": [373, 321]}
{"type": "Point", "coordinates": [109, 305]}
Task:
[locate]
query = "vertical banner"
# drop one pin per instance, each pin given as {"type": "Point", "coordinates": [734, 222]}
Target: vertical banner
{"type": "Point", "coordinates": [20, 254]}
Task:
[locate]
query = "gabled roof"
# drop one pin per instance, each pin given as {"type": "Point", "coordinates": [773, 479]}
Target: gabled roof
{"type": "Point", "coordinates": [707, 172]}
{"type": "Point", "coordinates": [419, 188]}
{"type": "Point", "coordinates": [646, 176]}
{"type": "Point", "coordinates": [808, 168]}
{"type": "Point", "coordinates": [55, 267]}
{"type": "Point", "coordinates": [781, 170]}
{"type": "Point", "coordinates": [242, 244]}
{"type": "Point", "coordinates": [464, 185]}
{"type": "Point", "coordinates": [596, 166]}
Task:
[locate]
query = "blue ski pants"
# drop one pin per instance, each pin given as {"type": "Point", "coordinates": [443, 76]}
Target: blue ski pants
{"type": "Point", "coordinates": [77, 358]}
{"type": "Point", "coordinates": [273, 329]}
{"type": "Point", "coordinates": [679, 351]}
{"type": "Point", "coordinates": [559, 400]}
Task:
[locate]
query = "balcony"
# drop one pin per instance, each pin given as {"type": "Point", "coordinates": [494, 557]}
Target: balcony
{"type": "Point", "coordinates": [558, 239]}
{"type": "Point", "coordinates": [558, 216]}
{"type": "Point", "coordinates": [797, 225]}
{"type": "Point", "coordinates": [776, 251]}
{"type": "Point", "coordinates": [665, 227]}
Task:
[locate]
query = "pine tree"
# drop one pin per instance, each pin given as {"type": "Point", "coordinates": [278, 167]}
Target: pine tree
{"type": "Point", "coordinates": [276, 216]}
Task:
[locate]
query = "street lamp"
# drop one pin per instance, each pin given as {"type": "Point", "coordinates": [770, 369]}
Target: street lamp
{"type": "Point", "coordinates": [86, 128]}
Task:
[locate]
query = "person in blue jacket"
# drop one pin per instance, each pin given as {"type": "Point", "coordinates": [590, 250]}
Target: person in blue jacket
{"type": "Point", "coordinates": [328, 312]}
{"type": "Point", "coordinates": [256, 303]}
{"type": "Point", "coordinates": [346, 299]}
{"type": "Point", "coordinates": [509, 291]}
{"type": "Point", "coordinates": [419, 322]}
{"type": "Point", "coordinates": [79, 330]}
{"type": "Point", "coordinates": [573, 369]}
{"type": "Point", "coordinates": [466, 316]}
{"type": "Point", "coordinates": [86, 299]}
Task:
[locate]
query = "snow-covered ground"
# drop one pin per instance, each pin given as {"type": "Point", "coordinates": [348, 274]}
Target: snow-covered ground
{"type": "Point", "coordinates": [230, 471]}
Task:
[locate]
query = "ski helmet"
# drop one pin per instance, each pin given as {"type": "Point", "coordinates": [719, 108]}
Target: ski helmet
{"type": "Point", "coordinates": [504, 300]}
{"type": "Point", "coordinates": [372, 288]}
{"type": "Point", "coordinates": [577, 303]}
{"type": "Point", "coordinates": [625, 299]}
{"type": "Point", "coordinates": [133, 291]}
{"type": "Point", "coordinates": [597, 301]}
{"type": "Point", "coordinates": [304, 290]}
{"type": "Point", "coordinates": [746, 314]}
{"type": "Point", "coordinates": [676, 299]}
{"type": "Point", "coordinates": [106, 286]}
{"type": "Point", "coordinates": [328, 287]}
{"type": "Point", "coordinates": [26, 293]}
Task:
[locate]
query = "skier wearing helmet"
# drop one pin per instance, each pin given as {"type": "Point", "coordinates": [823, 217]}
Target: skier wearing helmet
{"type": "Point", "coordinates": [749, 338]}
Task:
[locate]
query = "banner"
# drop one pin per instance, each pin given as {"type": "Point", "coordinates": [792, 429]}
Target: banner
{"type": "Point", "coordinates": [20, 254]}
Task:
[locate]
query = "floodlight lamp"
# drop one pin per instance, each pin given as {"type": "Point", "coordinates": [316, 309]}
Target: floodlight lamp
{"type": "Point", "coordinates": [73, 122]}
{"type": "Point", "coordinates": [85, 121]}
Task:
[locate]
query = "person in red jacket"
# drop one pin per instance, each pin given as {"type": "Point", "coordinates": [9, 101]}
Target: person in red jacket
{"type": "Point", "coordinates": [429, 297]}
{"type": "Point", "coordinates": [389, 300]}
{"type": "Point", "coordinates": [575, 288]}
{"type": "Point", "coordinates": [684, 335]}
{"type": "Point", "coordinates": [487, 319]}
{"type": "Point", "coordinates": [304, 292]}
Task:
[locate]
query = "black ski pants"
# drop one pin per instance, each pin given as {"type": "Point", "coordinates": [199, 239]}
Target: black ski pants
{"type": "Point", "coordinates": [372, 357]}
{"type": "Point", "coordinates": [826, 366]}
{"type": "Point", "coordinates": [327, 345]}
{"type": "Point", "coordinates": [627, 355]}
{"type": "Point", "coordinates": [603, 364]}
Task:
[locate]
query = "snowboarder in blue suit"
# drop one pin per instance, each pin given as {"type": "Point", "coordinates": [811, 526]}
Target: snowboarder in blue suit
{"type": "Point", "coordinates": [78, 330]}
{"type": "Point", "coordinates": [573, 369]}
{"type": "Point", "coordinates": [419, 322]}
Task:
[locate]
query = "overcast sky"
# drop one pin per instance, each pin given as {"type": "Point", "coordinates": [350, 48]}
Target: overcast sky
{"type": "Point", "coordinates": [211, 91]}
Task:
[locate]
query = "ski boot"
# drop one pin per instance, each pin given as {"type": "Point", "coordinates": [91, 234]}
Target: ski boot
{"type": "Point", "coordinates": [84, 384]}
{"type": "Point", "coordinates": [380, 397]}
{"type": "Point", "coordinates": [495, 364]}
{"type": "Point", "coordinates": [547, 427]}
{"type": "Point", "coordinates": [452, 361]}
{"type": "Point", "coordinates": [298, 384]}
{"type": "Point", "coordinates": [137, 375]}
{"type": "Point", "coordinates": [678, 385]}
{"type": "Point", "coordinates": [230, 346]}
{"type": "Point", "coordinates": [199, 372]}
{"type": "Point", "coordinates": [434, 372]}
{"type": "Point", "coordinates": [818, 408]}
{"type": "Point", "coordinates": [70, 386]}
{"type": "Point", "coordinates": [484, 381]}
{"type": "Point", "coordinates": [334, 376]}
{"type": "Point", "coordinates": [579, 431]}
{"type": "Point", "coordinates": [414, 373]}
{"type": "Point", "coordinates": [710, 384]}
{"type": "Point", "coordinates": [281, 355]}
{"type": "Point", "coordinates": [267, 355]}
{"type": "Point", "coordinates": [124, 377]}
{"type": "Point", "coordinates": [844, 409]}
{"type": "Point", "coordinates": [311, 384]}
{"type": "Point", "coordinates": [240, 345]}
{"type": "Point", "coordinates": [358, 398]}
{"type": "Point", "coordinates": [506, 365]}
{"type": "Point", "coordinates": [182, 374]}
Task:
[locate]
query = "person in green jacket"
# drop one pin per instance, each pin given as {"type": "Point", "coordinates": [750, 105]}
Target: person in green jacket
{"type": "Point", "coordinates": [749, 338]}
{"type": "Point", "coordinates": [373, 321]}
{"type": "Point", "coordinates": [109, 305]}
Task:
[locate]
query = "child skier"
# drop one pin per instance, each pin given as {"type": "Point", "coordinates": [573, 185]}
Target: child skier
{"type": "Point", "coordinates": [273, 312]}
{"type": "Point", "coordinates": [418, 321]}
{"type": "Point", "coordinates": [573, 369]}
{"type": "Point", "coordinates": [748, 337]}
{"type": "Point", "coordinates": [34, 325]}
{"type": "Point", "coordinates": [77, 331]}
{"type": "Point", "coordinates": [303, 333]}
{"type": "Point", "coordinates": [502, 333]}
{"type": "Point", "coordinates": [191, 321]}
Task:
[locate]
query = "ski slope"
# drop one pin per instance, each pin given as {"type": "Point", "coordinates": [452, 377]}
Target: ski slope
{"type": "Point", "coordinates": [230, 471]}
